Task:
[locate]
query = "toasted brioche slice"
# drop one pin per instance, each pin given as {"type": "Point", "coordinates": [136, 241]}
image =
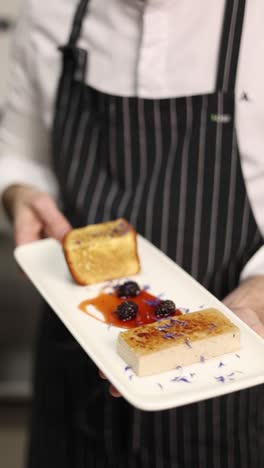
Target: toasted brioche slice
{"type": "Point", "coordinates": [178, 341]}
{"type": "Point", "coordinates": [101, 252]}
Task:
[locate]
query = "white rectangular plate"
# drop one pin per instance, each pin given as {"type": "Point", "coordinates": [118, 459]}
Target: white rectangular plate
{"type": "Point", "coordinates": [44, 264]}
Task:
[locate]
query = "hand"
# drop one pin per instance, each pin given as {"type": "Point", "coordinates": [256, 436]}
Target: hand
{"type": "Point", "coordinates": [112, 390]}
{"type": "Point", "coordinates": [247, 302]}
{"type": "Point", "coordinates": [34, 214]}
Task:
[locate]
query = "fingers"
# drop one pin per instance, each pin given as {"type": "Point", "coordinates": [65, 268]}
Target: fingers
{"type": "Point", "coordinates": [34, 214]}
{"type": "Point", "coordinates": [112, 390]}
{"type": "Point", "coordinates": [27, 227]}
{"type": "Point", "coordinates": [102, 375]}
{"type": "Point", "coordinates": [54, 223]}
{"type": "Point", "coordinates": [251, 318]}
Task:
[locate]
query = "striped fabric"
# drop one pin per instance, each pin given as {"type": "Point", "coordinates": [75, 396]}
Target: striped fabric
{"type": "Point", "coordinates": [172, 168]}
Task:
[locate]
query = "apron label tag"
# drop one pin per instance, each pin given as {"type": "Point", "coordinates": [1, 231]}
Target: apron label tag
{"type": "Point", "coordinates": [221, 118]}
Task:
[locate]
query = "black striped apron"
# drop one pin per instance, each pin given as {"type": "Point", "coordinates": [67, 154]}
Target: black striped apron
{"type": "Point", "coordinates": [172, 168]}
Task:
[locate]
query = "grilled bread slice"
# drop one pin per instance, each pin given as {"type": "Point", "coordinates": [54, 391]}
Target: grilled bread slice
{"type": "Point", "coordinates": [101, 252]}
{"type": "Point", "coordinates": [178, 341]}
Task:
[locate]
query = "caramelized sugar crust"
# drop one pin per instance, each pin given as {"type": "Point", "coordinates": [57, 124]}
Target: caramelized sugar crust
{"type": "Point", "coordinates": [182, 329]}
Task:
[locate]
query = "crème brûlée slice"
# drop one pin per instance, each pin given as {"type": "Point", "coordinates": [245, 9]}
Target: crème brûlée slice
{"type": "Point", "coordinates": [178, 341]}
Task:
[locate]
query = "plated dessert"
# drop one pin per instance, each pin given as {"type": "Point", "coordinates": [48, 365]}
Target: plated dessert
{"type": "Point", "coordinates": [45, 265]}
{"type": "Point", "coordinates": [159, 338]}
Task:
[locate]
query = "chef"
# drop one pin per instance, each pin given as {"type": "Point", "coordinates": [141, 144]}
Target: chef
{"type": "Point", "coordinates": [151, 110]}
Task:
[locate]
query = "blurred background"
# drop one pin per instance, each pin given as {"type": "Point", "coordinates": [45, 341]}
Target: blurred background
{"type": "Point", "coordinates": [19, 305]}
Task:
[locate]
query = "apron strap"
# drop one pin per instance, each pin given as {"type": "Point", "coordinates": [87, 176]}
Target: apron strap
{"type": "Point", "coordinates": [230, 45]}
{"type": "Point", "coordinates": [77, 22]}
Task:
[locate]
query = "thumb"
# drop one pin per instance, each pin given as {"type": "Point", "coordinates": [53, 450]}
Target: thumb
{"type": "Point", "coordinates": [54, 223]}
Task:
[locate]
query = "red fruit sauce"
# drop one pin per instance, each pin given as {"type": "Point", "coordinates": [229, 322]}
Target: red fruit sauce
{"type": "Point", "coordinates": [107, 304]}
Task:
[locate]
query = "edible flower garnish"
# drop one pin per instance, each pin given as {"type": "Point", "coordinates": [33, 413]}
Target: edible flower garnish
{"type": "Point", "coordinates": [163, 327]}
{"type": "Point", "coordinates": [168, 336]}
{"type": "Point", "coordinates": [184, 309]}
{"type": "Point", "coordinates": [183, 323]}
{"type": "Point", "coordinates": [127, 368]}
{"type": "Point", "coordinates": [221, 364]}
{"type": "Point", "coordinates": [202, 359]}
{"type": "Point", "coordinates": [152, 303]}
{"type": "Point", "coordinates": [220, 378]}
{"type": "Point", "coordinates": [188, 343]}
{"type": "Point", "coordinates": [180, 379]}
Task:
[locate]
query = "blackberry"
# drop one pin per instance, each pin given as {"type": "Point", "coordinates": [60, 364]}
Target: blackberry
{"type": "Point", "coordinates": [128, 289]}
{"type": "Point", "coordinates": [127, 311]}
{"type": "Point", "coordinates": [165, 309]}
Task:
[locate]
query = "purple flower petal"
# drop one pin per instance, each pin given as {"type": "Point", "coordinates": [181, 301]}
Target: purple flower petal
{"type": "Point", "coordinates": [175, 379]}
{"type": "Point", "coordinates": [202, 359]}
{"type": "Point", "coordinates": [180, 379]}
{"type": "Point", "coordinates": [184, 309]}
{"type": "Point", "coordinates": [188, 343]}
{"type": "Point", "coordinates": [151, 302]}
{"type": "Point", "coordinates": [169, 336]}
{"type": "Point", "coordinates": [184, 379]}
{"type": "Point", "coordinates": [127, 368]}
{"type": "Point", "coordinates": [220, 378]}
{"type": "Point", "coordinates": [163, 327]}
{"type": "Point", "coordinates": [212, 324]}
{"type": "Point", "coordinates": [221, 364]}
{"type": "Point", "coordinates": [183, 323]}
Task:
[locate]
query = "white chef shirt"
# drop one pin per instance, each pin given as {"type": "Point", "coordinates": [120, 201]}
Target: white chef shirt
{"type": "Point", "coordinates": [145, 48]}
